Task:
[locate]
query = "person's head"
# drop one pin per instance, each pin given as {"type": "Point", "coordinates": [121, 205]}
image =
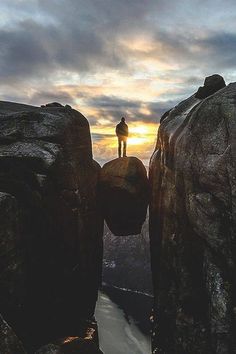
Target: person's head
{"type": "Point", "coordinates": [122, 119]}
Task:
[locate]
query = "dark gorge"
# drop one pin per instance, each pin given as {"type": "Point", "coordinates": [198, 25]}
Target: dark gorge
{"type": "Point", "coordinates": [53, 201]}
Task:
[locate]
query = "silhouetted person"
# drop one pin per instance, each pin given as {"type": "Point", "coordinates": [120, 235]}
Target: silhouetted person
{"type": "Point", "coordinates": [122, 132]}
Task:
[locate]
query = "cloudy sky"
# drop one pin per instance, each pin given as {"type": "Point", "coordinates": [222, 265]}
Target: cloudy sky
{"type": "Point", "coordinates": [113, 58]}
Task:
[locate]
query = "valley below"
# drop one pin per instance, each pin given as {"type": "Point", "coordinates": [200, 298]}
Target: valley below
{"type": "Point", "coordinates": [120, 332]}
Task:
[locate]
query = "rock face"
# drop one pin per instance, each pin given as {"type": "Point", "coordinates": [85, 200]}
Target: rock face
{"type": "Point", "coordinates": [86, 343]}
{"type": "Point", "coordinates": [193, 227]}
{"type": "Point", "coordinates": [9, 343]}
{"type": "Point", "coordinates": [124, 194]}
{"type": "Point", "coordinates": [13, 259]}
{"type": "Point", "coordinates": [50, 227]}
{"type": "Point", "coordinates": [212, 84]}
{"type": "Point", "coordinates": [73, 346]}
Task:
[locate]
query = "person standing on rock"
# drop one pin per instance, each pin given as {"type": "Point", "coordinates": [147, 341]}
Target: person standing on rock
{"type": "Point", "coordinates": [122, 132]}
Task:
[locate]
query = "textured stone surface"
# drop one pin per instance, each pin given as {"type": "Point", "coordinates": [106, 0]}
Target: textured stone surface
{"type": "Point", "coordinates": [9, 343]}
{"type": "Point", "coordinates": [51, 228]}
{"type": "Point", "coordinates": [74, 346]}
{"type": "Point", "coordinates": [12, 261]}
{"type": "Point", "coordinates": [212, 84]}
{"type": "Point", "coordinates": [193, 226]}
{"type": "Point", "coordinates": [85, 343]}
{"type": "Point", "coordinates": [124, 195]}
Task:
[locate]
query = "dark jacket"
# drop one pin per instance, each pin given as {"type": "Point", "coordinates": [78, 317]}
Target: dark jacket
{"type": "Point", "coordinates": [122, 129]}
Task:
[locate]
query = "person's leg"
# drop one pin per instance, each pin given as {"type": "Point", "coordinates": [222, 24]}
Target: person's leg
{"type": "Point", "coordinates": [124, 148]}
{"type": "Point", "coordinates": [119, 147]}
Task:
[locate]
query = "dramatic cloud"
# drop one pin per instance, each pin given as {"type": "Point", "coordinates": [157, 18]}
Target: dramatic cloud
{"type": "Point", "coordinates": [112, 108]}
{"type": "Point", "coordinates": [110, 58]}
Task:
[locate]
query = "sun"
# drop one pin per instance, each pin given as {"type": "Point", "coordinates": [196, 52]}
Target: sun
{"type": "Point", "coordinates": [140, 143]}
{"type": "Point", "coordinates": [137, 140]}
{"type": "Point", "coordinates": [139, 130]}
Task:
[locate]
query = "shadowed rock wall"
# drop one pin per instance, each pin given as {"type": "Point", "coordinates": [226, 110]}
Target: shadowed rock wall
{"type": "Point", "coordinates": [193, 226]}
{"type": "Point", "coordinates": [9, 343]}
{"type": "Point", "coordinates": [50, 227]}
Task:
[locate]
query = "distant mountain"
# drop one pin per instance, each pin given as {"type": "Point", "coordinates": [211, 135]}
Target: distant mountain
{"type": "Point", "coordinates": [126, 262]}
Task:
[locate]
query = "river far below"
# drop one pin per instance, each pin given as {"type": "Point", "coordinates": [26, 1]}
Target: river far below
{"type": "Point", "coordinates": [119, 332]}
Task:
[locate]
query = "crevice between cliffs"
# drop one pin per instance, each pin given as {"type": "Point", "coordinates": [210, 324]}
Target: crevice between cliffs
{"type": "Point", "coordinates": [53, 202]}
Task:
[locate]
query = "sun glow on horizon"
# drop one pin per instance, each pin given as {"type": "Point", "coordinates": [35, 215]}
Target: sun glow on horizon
{"type": "Point", "coordinates": [141, 140]}
{"type": "Point", "coordinates": [139, 130]}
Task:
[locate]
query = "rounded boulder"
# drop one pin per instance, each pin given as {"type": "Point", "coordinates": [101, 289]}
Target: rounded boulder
{"type": "Point", "coordinates": [124, 195]}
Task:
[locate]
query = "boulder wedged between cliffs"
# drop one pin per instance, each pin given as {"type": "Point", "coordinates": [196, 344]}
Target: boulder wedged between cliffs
{"type": "Point", "coordinates": [124, 195]}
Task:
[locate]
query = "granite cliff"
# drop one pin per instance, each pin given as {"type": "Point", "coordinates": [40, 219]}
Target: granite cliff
{"type": "Point", "coordinates": [193, 224]}
{"type": "Point", "coordinates": [51, 228]}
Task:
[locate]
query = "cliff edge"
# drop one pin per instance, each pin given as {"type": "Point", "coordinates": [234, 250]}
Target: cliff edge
{"type": "Point", "coordinates": [51, 228]}
{"type": "Point", "coordinates": [193, 226]}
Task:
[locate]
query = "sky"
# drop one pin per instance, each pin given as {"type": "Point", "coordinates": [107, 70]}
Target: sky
{"type": "Point", "coordinates": [114, 58]}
